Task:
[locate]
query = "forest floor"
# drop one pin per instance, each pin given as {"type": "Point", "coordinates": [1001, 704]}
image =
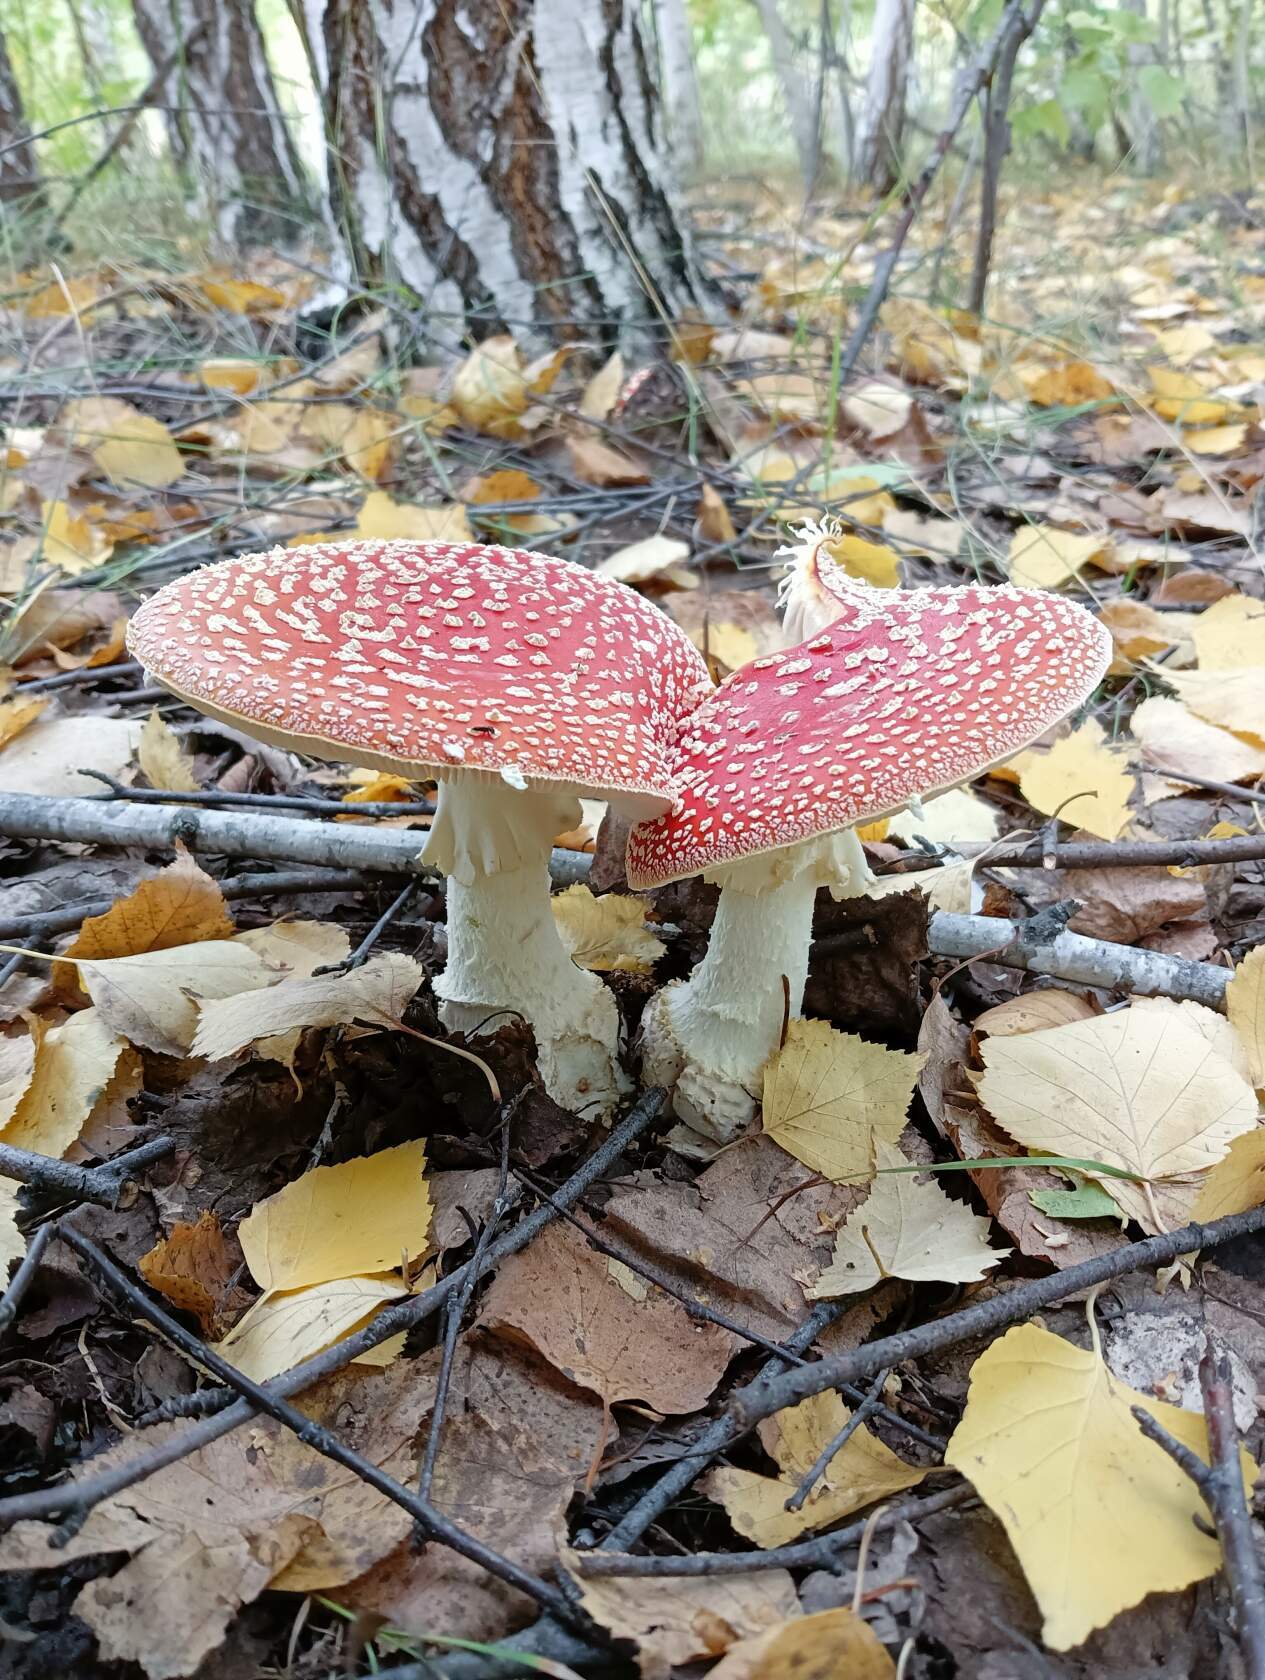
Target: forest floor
{"type": "Point", "coordinates": [1100, 433]}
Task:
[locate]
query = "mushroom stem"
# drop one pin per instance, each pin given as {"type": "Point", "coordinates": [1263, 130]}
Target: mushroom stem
{"type": "Point", "coordinates": [707, 1039]}
{"type": "Point", "coordinates": [493, 840]}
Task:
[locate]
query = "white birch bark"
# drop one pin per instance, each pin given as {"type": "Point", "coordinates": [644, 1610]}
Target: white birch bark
{"type": "Point", "coordinates": [881, 128]}
{"type": "Point", "coordinates": [225, 126]}
{"type": "Point", "coordinates": [680, 85]}
{"type": "Point", "coordinates": [502, 158]}
{"type": "Point", "coordinates": [797, 92]}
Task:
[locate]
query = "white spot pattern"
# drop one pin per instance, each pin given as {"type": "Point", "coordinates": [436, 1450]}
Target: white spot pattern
{"type": "Point", "coordinates": [906, 692]}
{"type": "Point", "coordinates": [439, 655]}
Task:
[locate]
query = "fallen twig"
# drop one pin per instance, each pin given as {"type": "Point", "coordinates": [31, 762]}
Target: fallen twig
{"type": "Point", "coordinates": [21, 1282]}
{"type": "Point", "coordinates": [103, 1184]}
{"type": "Point", "coordinates": [311, 805]}
{"type": "Point", "coordinates": [1221, 1487]}
{"type": "Point", "coordinates": [870, 1403]}
{"type": "Point", "coordinates": [770, 1393]}
{"type": "Point", "coordinates": [1103, 854]}
{"type": "Point", "coordinates": [89, 1490]}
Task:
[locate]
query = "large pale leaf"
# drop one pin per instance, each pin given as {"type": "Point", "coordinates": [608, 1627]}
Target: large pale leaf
{"type": "Point", "coordinates": [1098, 1515]}
{"type": "Point", "coordinates": [1139, 1090]}
{"type": "Point", "coordinates": [606, 934]}
{"type": "Point", "coordinates": [149, 998]}
{"type": "Point", "coordinates": [828, 1096]}
{"type": "Point", "coordinates": [378, 991]}
{"type": "Point", "coordinates": [284, 1329]}
{"type": "Point", "coordinates": [73, 1065]}
{"type": "Point", "coordinates": [362, 1216]}
{"type": "Point", "coordinates": [830, 1645]}
{"type": "Point", "coordinates": [1086, 781]}
{"type": "Point", "coordinates": [1245, 1005]}
{"type": "Point", "coordinates": [906, 1229]}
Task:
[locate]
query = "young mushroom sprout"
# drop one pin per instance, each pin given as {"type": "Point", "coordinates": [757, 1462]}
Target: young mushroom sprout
{"type": "Point", "coordinates": [518, 682]}
{"type": "Point", "coordinates": [902, 693]}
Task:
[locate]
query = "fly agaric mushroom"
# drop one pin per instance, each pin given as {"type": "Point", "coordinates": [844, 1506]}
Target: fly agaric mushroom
{"type": "Point", "coordinates": [906, 692]}
{"type": "Point", "coordinates": [518, 682]}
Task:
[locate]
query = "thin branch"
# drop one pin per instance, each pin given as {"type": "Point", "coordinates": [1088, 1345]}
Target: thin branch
{"type": "Point", "coordinates": [1103, 854]}
{"type": "Point", "coordinates": [869, 1405]}
{"type": "Point", "coordinates": [403, 1315]}
{"type": "Point", "coordinates": [103, 1184]}
{"type": "Point", "coordinates": [213, 799]}
{"type": "Point", "coordinates": [24, 1276]}
{"type": "Point", "coordinates": [771, 1393]}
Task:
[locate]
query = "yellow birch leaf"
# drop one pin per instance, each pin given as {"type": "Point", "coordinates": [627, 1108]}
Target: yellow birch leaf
{"type": "Point", "coordinates": [380, 786]}
{"type": "Point", "coordinates": [180, 905]}
{"type": "Point", "coordinates": [1066, 385]}
{"type": "Point", "coordinates": [70, 542]}
{"type": "Point", "coordinates": [906, 1229]}
{"type": "Point", "coordinates": [298, 949]}
{"type": "Point", "coordinates": [1230, 633]}
{"type": "Point", "coordinates": [166, 764]}
{"type": "Point", "coordinates": [1137, 632]}
{"type": "Point", "coordinates": [1044, 557]}
{"type": "Point", "coordinates": [1182, 344]}
{"type": "Point", "coordinates": [1245, 1006]}
{"type": "Point", "coordinates": [830, 1096]}
{"type": "Point", "coordinates": [1098, 1515]}
{"type": "Point", "coordinates": [1215, 440]}
{"type": "Point", "coordinates": [15, 714]}
{"type": "Point", "coordinates": [948, 819]}
{"type": "Point", "coordinates": [1084, 779]}
{"type": "Point", "coordinates": [607, 934]}
{"type": "Point", "coordinates": [1174, 740]}
{"type": "Point", "coordinates": [651, 558]}
{"type": "Point", "coordinates": [1236, 1183]}
{"type": "Point", "coordinates": [861, 1472]}
{"type": "Point", "coordinates": [238, 297]}
{"type": "Point", "coordinates": [1233, 699]}
{"type": "Point", "coordinates": [1138, 1090]}
{"type": "Point", "coordinates": [602, 391]}
{"type": "Point", "coordinates": [380, 516]}
{"type": "Point", "coordinates": [377, 991]}
{"type": "Point", "coordinates": [878, 409]}
{"type": "Point", "coordinates": [12, 1242]}
{"type": "Point", "coordinates": [231, 373]}
{"type": "Point", "coordinates": [284, 1329]}
{"type": "Point", "coordinates": [871, 562]}
{"type": "Point", "coordinates": [828, 1645]}
{"type": "Point", "coordinates": [371, 1214]}
{"type": "Point", "coordinates": [130, 448]}
{"type": "Point", "coordinates": [489, 390]}
{"type": "Point", "coordinates": [74, 1063]}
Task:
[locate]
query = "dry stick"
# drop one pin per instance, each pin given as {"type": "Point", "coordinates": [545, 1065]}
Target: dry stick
{"type": "Point", "coordinates": [12, 1298]}
{"type": "Point", "coordinates": [211, 799]}
{"type": "Point", "coordinates": [404, 1315]}
{"type": "Point", "coordinates": [769, 1394]}
{"type": "Point", "coordinates": [1220, 1485]}
{"type": "Point", "coordinates": [102, 1184]}
{"type": "Point", "coordinates": [969, 84]}
{"type": "Point", "coordinates": [1111, 854]}
{"type": "Point", "coordinates": [312, 1434]}
{"type": "Point", "coordinates": [394, 851]}
{"type": "Point", "coordinates": [822, 1552]}
{"type": "Point", "coordinates": [869, 1405]}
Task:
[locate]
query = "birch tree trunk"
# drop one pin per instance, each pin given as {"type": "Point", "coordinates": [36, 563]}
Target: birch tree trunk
{"type": "Point", "coordinates": [20, 183]}
{"type": "Point", "coordinates": [797, 93]}
{"type": "Point", "coordinates": [680, 85]}
{"type": "Point", "coordinates": [503, 159]}
{"type": "Point", "coordinates": [225, 125]}
{"type": "Point", "coordinates": [1143, 123]}
{"type": "Point", "coordinates": [881, 129]}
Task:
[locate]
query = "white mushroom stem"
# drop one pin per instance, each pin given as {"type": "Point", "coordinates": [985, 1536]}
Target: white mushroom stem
{"type": "Point", "coordinates": [707, 1039]}
{"type": "Point", "coordinates": [492, 840]}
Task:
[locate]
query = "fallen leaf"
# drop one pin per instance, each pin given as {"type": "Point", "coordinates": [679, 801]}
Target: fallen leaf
{"type": "Point", "coordinates": [489, 390]}
{"type": "Point", "coordinates": [878, 409]}
{"type": "Point", "coordinates": [602, 391]}
{"type": "Point", "coordinates": [1237, 1182]}
{"type": "Point", "coordinates": [1138, 632]}
{"type": "Point", "coordinates": [830, 1098]}
{"type": "Point", "coordinates": [12, 1242]}
{"type": "Point", "coordinates": [378, 991]}
{"type": "Point", "coordinates": [371, 1214]}
{"type": "Point", "coordinates": [1098, 1515]}
{"type": "Point", "coordinates": [597, 463]}
{"type": "Point", "coordinates": [1084, 779]}
{"type": "Point", "coordinates": [948, 819]}
{"type": "Point", "coordinates": [714, 523]}
{"type": "Point", "coordinates": [380, 516]}
{"type": "Point", "coordinates": [924, 535]}
{"type": "Point", "coordinates": [1230, 633]}
{"type": "Point", "coordinates": [1137, 1090]}
{"type": "Point", "coordinates": [285, 1328]}
{"type": "Point", "coordinates": [906, 1229]}
{"type": "Point", "coordinates": [860, 1473]}
{"type": "Point", "coordinates": [729, 627]}
{"type": "Point", "coordinates": [298, 949]}
{"type": "Point", "coordinates": [151, 999]}
{"type": "Point", "coordinates": [130, 448]}
{"type": "Point", "coordinates": [1232, 699]}
{"type": "Point", "coordinates": [193, 1267]}
{"type": "Point", "coordinates": [70, 542]}
{"type": "Point", "coordinates": [232, 373]}
{"type": "Point", "coordinates": [1173, 740]}
{"type": "Point", "coordinates": [166, 764]}
{"type": "Point", "coordinates": [1033, 1012]}
{"type": "Point", "coordinates": [46, 757]}
{"type": "Point", "coordinates": [645, 561]}
{"type": "Point", "coordinates": [947, 887]}
{"type": "Point", "coordinates": [677, 1621]}
{"type": "Point", "coordinates": [16, 714]}
{"type": "Point", "coordinates": [558, 1295]}
{"type": "Point", "coordinates": [1182, 344]}
{"type": "Point", "coordinates": [180, 905]}
{"type": "Point", "coordinates": [1043, 557]}
{"type": "Point", "coordinates": [606, 934]}
{"type": "Point", "coordinates": [829, 1645]}
{"type": "Point", "coordinates": [1125, 905]}
{"type": "Point", "coordinates": [105, 653]}
{"type": "Point", "coordinates": [238, 296]}
{"type": "Point", "coordinates": [873, 563]}
{"type": "Point", "coordinates": [1245, 1006]}
{"type": "Point", "coordinates": [1067, 384]}
{"type": "Point", "coordinates": [73, 1065]}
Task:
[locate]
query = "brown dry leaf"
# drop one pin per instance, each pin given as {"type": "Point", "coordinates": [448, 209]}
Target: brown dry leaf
{"type": "Point", "coordinates": [367, 1215]}
{"type": "Point", "coordinates": [1137, 1090]}
{"type": "Point", "coordinates": [1125, 905]}
{"type": "Point", "coordinates": [677, 1621]}
{"type": "Point", "coordinates": [151, 999]}
{"type": "Point", "coordinates": [285, 1328]}
{"type": "Point", "coordinates": [193, 1267]}
{"type": "Point", "coordinates": [73, 1066]}
{"type": "Point", "coordinates": [106, 653]}
{"type": "Point", "coordinates": [1084, 779]}
{"type": "Point", "coordinates": [602, 391]}
{"type": "Point", "coordinates": [906, 1229]}
{"type": "Point", "coordinates": [1043, 557]}
{"type": "Point", "coordinates": [714, 523]}
{"type": "Point", "coordinates": [830, 1645]}
{"type": "Point", "coordinates": [380, 516]}
{"type": "Point", "coordinates": [378, 991]}
{"type": "Point", "coordinates": [1137, 630]}
{"type": "Point", "coordinates": [1230, 633]}
{"type": "Point", "coordinates": [167, 766]}
{"type": "Point", "coordinates": [829, 1097]}
{"type": "Point", "coordinates": [16, 714]}
{"type": "Point", "coordinates": [61, 617]}
{"type": "Point", "coordinates": [1033, 1012]}
{"type": "Point", "coordinates": [861, 1472]}
{"type": "Point", "coordinates": [180, 905]}
{"type": "Point", "coordinates": [1245, 1006]}
{"type": "Point", "coordinates": [130, 448]}
{"type": "Point", "coordinates": [1067, 384]}
{"type": "Point", "coordinates": [607, 934]}
{"type": "Point", "coordinates": [598, 463]}
{"type": "Point", "coordinates": [1175, 741]}
{"type": "Point", "coordinates": [559, 1295]}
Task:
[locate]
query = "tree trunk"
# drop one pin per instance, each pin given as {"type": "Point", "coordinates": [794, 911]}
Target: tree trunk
{"type": "Point", "coordinates": [225, 126]}
{"type": "Point", "coordinates": [680, 85]}
{"type": "Point", "coordinates": [503, 159]}
{"type": "Point", "coordinates": [1144, 124]}
{"type": "Point", "coordinates": [797, 94]}
{"type": "Point", "coordinates": [881, 130]}
{"type": "Point", "coordinates": [20, 183]}
{"type": "Point", "coordinates": [996, 129]}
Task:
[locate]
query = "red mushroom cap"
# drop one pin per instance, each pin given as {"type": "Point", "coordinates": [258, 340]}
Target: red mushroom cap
{"type": "Point", "coordinates": [432, 658]}
{"type": "Point", "coordinates": [909, 692]}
